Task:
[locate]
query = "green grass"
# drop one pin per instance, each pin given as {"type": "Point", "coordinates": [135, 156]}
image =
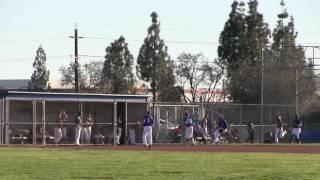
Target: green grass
{"type": "Point", "coordinates": [33, 163]}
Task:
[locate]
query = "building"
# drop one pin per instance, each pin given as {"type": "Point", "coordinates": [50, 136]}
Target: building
{"type": "Point", "coordinates": [14, 84]}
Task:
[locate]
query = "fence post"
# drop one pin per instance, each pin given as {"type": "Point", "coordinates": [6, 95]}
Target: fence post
{"type": "Point", "coordinates": [175, 115]}
{"type": "Point", "coordinates": [240, 115]}
{"type": "Point", "coordinates": [167, 119]}
{"type": "Point", "coordinates": [114, 121]}
{"type": "Point", "coordinates": [270, 115]}
{"type": "Point", "coordinates": [44, 123]}
{"type": "Point", "coordinates": [34, 121]}
{"type": "Point", "coordinates": [126, 122]}
{"type": "Point", "coordinates": [1, 121]}
{"type": "Point", "coordinates": [7, 121]}
{"type": "Point", "coordinates": [261, 123]}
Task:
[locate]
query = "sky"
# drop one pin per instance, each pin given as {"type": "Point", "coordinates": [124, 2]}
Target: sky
{"type": "Point", "coordinates": [186, 26]}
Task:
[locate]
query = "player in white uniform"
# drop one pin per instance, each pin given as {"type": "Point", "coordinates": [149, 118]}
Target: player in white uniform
{"type": "Point", "coordinates": [87, 129]}
{"type": "Point", "coordinates": [279, 131]}
{"type": "Point", "coordinates": [188, 135]}
{"type": "Point", "coordinates": [119, 129]}
{"type": "Point", "coordinates": [147, 130]}
{"type": "Point", "coordinates": [59, 130]}
{"type": "Point", "coordinates": [77, 124]}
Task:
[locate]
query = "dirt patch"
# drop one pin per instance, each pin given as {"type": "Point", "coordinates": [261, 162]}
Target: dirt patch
{"type": "Point", "coordinates": [204, 148]}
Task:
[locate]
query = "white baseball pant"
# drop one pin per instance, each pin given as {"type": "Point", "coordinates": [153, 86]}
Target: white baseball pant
{"type": "Point", "coordinates": [147, 135]}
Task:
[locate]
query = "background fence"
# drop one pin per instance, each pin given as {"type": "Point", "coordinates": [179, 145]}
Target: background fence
{"type": "Point", "coordinates": [170, 116]}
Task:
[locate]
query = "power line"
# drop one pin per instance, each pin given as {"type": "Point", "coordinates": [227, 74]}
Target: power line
{"type": "Point", "coordinates": [33, 27]}
{"type": "Point", "coordinates": [144, 27]}
{"type": "Point", "coordinates": [27, 40]}
{"type": "Point", "coordinates": [172, 28]}
{"type": "Point", "coordinates": [180, 29]}
{"type": "Point", "coordinates": [166, 41]}
{"type": "Point", "coordinates": [28, 59]}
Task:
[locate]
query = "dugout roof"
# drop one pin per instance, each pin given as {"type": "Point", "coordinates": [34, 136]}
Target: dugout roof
{"type": "Point", "coordinates": [73, 97]}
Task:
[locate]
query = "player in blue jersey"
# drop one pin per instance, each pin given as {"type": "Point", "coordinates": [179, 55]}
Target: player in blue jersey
{"type": "Point", "coordinates": [221, 129]}
{"type": "Point", "coordinates": [296, 129]}
{"type": "Point", "coordinates": [147, 130]}
{"type": "Point", "coordinates": [188, 127]}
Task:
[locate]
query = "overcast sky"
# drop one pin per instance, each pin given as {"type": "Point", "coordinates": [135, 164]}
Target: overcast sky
{"type": "Point", "coordinates": [186, 26]}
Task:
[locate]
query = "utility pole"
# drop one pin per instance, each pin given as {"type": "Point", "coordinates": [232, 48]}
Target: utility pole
{"type": "Point", "coordinates": [76, 63]}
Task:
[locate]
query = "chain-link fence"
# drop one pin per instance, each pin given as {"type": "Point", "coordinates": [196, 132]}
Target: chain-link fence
{"type": "Point", "coordinates": [32, 122]}
{"type": "Point", "coordinates": [170, 117]}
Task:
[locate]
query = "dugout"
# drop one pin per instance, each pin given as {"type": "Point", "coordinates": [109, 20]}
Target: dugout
{"type": "Point", "coordinates": [30, 117]}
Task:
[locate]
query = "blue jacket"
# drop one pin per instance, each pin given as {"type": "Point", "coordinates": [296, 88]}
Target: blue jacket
{"type": "Point", "coordinates": [187, 121]}
{"type": "Point", "coordinates": [297, 122]}
{"type": "Point", "coordinates": [222, 123]}
{"type": "Point", "coordinates": [148, 120]}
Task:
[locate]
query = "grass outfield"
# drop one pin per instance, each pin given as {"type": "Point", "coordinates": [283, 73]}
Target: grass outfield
{"type": "Point", "coordinates": [55, 163]}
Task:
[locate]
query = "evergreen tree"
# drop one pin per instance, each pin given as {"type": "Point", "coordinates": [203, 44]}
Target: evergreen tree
{"type": "Point", "coordinates": [231, 50]}
{"type": "Point", "coordinates": [257, 34]}
{"type": "Point", "coordinates": [117, 69]}
{"type": "Point", "coordinates": [167, 92]}
{"type": "Point", "coordinates": [154, 63]}
{"type": "Point", "coordinates": [40, 76]}
{"type": "Point", "coordinates": [241, 43]}
{"type": "Point", "coordinates": [287, 65]}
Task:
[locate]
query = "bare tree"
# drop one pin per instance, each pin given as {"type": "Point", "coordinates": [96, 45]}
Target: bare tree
{"type": "Point", "coordinates": [89, 76]}
{"type": "Point", "coordinates": [194, 71]}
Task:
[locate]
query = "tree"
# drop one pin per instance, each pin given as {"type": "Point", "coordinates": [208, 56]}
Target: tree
{"type": "Point", "coordinates": [257, 34]}
{"type": "Point", "coordinates": [40, 76]}
{"type": "Point", "coordinates": [92, 73]}
{"type": "Point", "coordinates": [231, 51]}
{"type": "Point", "coordinates": [195, 71]}
{"type": "Point", "coordinates": [241, 43]}
{"type": "Point", "coordinates": [153, 60]}
{"type": "Point", "coordinates": [89, 76]}
{"type": "Point", "coordinates": [288, 69]}
{"type": "Point", "coordinates": [167, 91]}
{"type": "Point", "coordinates": [117, 68]}
{"type": "Point", "coordinates": [68, 75]}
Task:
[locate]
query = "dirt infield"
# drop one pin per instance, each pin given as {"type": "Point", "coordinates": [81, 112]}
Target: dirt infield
{"type": "Point", "coordinates": [283, 148]}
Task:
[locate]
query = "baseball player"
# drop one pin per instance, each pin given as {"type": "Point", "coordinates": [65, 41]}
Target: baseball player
{"type": "Point", "coordinates": [221, 129]}
{"type": "Point", "coordinates": [87, 128]}
{"type": "Point", "coordinates": [204, 129]}
{"type": "Point", "coordinates": [296, 130]}
{"type": "Point", "coordinates": [147, 130]}
{"type": "Point", "coordinates": [119, 128]}
{"type": "Point", "coordinates": [59, 129]}
{"type": "Point", "coordinates": [279, 131]}
{"type": "Point", "coordinates": [188, 128]}
{"type": "Point", "coordinates": [250, 128]}
{"type": "Point", "coordinates": [77, 124]}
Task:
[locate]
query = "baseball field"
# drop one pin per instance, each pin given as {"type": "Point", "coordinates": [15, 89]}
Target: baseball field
{"type": "Point", "coordinates": [162, 162]}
